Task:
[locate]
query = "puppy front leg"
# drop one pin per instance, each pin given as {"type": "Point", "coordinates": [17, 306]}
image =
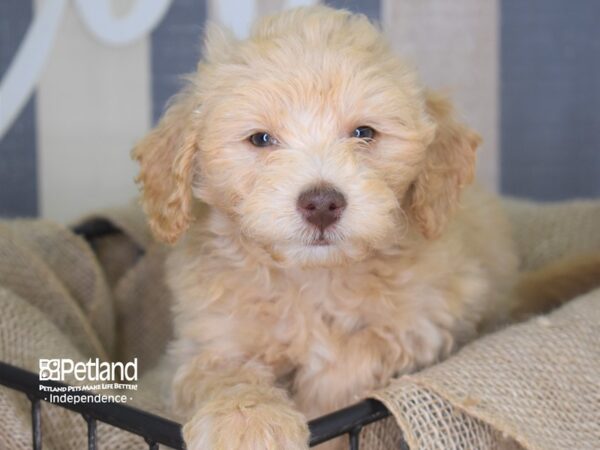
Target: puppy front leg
{"type": "Point", "coordinates": [355, 365]}
{"type": "Point", "coordinates": [363, 361]}
{"type": "Point", "coordinates": [229, 406]}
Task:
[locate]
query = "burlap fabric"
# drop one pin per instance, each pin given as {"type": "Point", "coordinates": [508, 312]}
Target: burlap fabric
{"type": "Point", "coordinates": [535, 385]}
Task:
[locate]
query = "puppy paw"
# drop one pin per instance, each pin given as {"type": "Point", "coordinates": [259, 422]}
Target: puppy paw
{"type": "Point", "coordinates": [248, 425]}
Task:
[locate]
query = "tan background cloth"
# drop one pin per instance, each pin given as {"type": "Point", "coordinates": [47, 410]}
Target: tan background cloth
{"type": "Point", "coordinates": [536, 384]}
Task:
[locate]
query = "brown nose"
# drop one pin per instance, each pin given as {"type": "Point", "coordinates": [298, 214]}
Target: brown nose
{"type": "Point", "coordinates": [321, 206]}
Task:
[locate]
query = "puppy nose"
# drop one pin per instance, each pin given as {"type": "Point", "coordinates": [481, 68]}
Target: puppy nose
{"type": "Point", "coordinates": [322, 206]}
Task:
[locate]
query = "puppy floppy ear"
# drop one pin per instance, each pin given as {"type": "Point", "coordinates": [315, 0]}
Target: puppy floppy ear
{"type": "Point", "coordinates": [449, 167]}
{"type": "Point", "coordinates": [166, 156]}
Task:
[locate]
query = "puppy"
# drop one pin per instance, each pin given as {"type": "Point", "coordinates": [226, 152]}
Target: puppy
{"type": "Point", "coordinates": [329, 239]}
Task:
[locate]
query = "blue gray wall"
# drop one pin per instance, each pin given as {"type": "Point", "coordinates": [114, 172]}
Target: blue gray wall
{"type": "Point", "coordinates": [18, 162]}
{"type": "Point", "coordinates": [550, 97]}
{"type": "Point", "coordinates": [370, 8]}
{"type": "Point", "coordinates": [175, 49]}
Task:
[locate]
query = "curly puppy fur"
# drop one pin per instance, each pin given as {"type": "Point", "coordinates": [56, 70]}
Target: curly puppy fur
{"type": "Point", "coordinates": [273, 327]}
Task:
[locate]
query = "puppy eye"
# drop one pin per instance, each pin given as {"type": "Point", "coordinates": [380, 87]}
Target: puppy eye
{"type": "Point", "coordinates": [363, 132]}
{"type": "Point", "coordinates": [262, 139]}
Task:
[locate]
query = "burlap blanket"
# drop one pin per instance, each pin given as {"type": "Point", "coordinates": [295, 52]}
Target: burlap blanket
{"type": "Point", "coordinates": [535, 385]}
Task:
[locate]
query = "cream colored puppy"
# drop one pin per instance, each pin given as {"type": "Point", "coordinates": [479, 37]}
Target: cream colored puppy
{"type": "Point", "coordinates": [328, 241]}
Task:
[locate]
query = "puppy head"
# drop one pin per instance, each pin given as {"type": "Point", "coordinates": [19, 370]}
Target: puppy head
{"type": "Point", "coordinates": [312, 140]}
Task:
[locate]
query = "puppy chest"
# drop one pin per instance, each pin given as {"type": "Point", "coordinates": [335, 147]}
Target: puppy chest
{"type": "Point", "coordinates": [313, 329]}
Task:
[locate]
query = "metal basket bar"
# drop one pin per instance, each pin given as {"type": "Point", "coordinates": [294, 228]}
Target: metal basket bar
{"type": "Point", "coordinates": [354, 436]}
{"type": "Point", "coordinates": [91, 423]}
{"type": "Point", "coordinates": [349, 420]}
{"type": "Point", "coordinates": [36, 423]}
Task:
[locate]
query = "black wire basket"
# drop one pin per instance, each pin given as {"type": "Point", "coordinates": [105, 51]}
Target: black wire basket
{"type": "Point", "coordinates": [157, 430]}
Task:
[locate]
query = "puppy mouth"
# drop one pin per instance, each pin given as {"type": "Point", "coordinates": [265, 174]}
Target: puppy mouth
{"type": "Point", "coordinates": [320, 242]}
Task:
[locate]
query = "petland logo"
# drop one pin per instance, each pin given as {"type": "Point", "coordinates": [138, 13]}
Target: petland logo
{"type": "Point", "coordinates": [116, 377]}
{"type": "Point", "coordinates": [92, 370]}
